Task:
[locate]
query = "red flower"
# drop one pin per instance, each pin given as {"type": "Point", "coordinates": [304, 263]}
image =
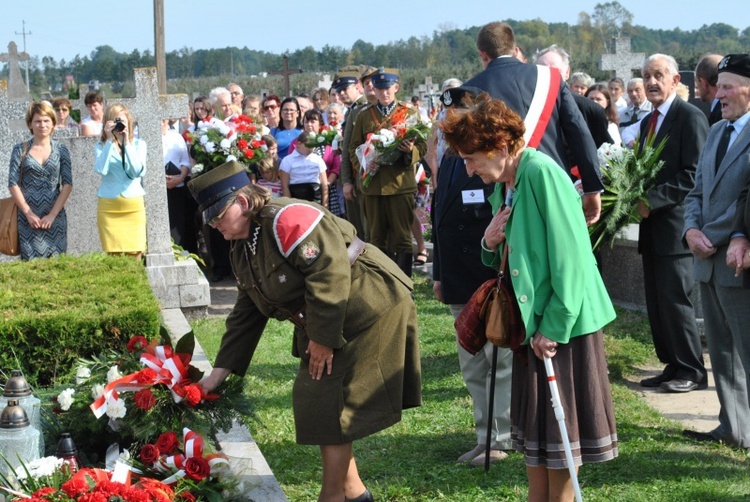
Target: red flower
{"type": "Point", "coordinates": [193, 394]}
{"type": "Point", "coordinates": [252, 129]}
{"type": "Point", "coordinates": [149, 454]}
{"type": "Point", "coordinates": [186, 496]}
{"type": "Point", "coordinates": [92, 497]}
{"type": "Point", "coordinates": [167, 443]}
{"type": "Point", "coordinates": [133, 494]}
{"type": "Point", "coordinates": [75, 486]}
{"type": "Point", "coordinates": [157, 489]}
{"type": "Point", "coordinates": [144, 399]}
{"type": "Point", "coordinates": [248, 153]}
{"type": "Point", "coordinates": [45, 491]}
{"type": "Point", "coordinates": [197, 468]}
{"type": "Point", "coordinates": [256, 143]}
{"type": "Point", "coordinates": [146, 375]}
{"type": "Point", "coordinates": [333, 123]}
{"type": "Point", "coordinates": [242, 144]}
{"type": "Point", "coordinates": [110, 488]}
{"type": "Point", "coordinates": [137, 343]}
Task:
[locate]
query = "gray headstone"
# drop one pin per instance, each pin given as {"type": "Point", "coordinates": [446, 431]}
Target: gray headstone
{"type": "Point", "coordinates": [16, 86]}
{"type": "Point", "coordinates": [623, 62]}
{"type": "Point", "coordinates": [326, 82]}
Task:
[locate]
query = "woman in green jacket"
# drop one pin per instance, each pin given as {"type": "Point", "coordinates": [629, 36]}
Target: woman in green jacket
{"type": "Point", "coordinates": [561, 296]}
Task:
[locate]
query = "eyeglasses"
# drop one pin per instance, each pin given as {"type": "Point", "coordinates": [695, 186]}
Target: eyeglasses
{"type": "Point", "coordinates": [290, 110]}
{"type": "Point", "coordinates": [62, 109]}
{"type": "Point", "coordinates": [270, 107]}
{"type": "Point", "coordinates": [217, 219]}
{"type": "Point", "coordinates": [236, 93]}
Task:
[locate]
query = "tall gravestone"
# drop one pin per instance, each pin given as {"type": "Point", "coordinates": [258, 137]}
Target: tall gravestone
{"type": "Point", "coordinates": [622, 61]}
{"type": "Point", "coordinates": [427, 92]}
{"type": "Point", "coordinates": [177, 284]}
{"type": "Point", "coordinates": [16, 87]}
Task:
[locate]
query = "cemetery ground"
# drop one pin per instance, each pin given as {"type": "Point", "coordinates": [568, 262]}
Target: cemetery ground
{"type": "Point", "coordinates": [415, 460]}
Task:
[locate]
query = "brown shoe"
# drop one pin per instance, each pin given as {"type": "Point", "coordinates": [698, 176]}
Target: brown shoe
{"type": "Point", "coordinates": [495, 456]}
{"type": "Point", "coordinates": [471, 455]}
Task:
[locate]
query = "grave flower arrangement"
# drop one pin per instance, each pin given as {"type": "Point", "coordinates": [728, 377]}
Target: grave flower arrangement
{"type": "Point", "coordinates": [628, 175]}
{"type": "Point", "coordinates": [329, 135]}
{"type": "Point", "coordinates": [382, 147]}
{"type": "Point", "coordinates": [214, 143]}
{"type": "Point", "coordinates": [142, 389]}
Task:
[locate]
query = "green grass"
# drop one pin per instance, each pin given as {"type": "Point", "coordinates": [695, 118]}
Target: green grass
{"type": "Point", "coordinates": [414, 460]}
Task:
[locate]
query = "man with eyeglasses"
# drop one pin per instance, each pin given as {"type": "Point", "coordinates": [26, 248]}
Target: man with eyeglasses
{"type": "Point", "coordinates": [349, 88]}
{"type": "Point", "coordinates": [237, 95]}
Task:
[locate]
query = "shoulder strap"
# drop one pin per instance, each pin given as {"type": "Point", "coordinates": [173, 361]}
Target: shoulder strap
{"type": "Point", "coordinates": [542, 104]}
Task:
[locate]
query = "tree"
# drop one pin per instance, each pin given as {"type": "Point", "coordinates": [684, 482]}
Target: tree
{"type": "Point", "coordinates": [609, 18]}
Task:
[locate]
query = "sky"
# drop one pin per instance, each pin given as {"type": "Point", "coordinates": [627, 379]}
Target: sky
{"type": "Point", "coordinates": [63, 32]}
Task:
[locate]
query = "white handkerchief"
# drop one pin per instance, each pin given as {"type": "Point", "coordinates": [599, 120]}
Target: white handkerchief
{"type": "Point", "coordinates": [472, 196]}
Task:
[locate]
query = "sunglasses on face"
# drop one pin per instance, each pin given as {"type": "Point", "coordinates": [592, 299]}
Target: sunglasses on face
{"type": "Point", "coordinates": [270, 107]}
{"type": "Point", "coordinates": [62, 109]}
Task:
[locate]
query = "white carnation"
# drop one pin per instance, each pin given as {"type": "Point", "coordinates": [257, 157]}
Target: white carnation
{"type": "Point", "coordinates": [225, 144]}
{"type": "Point", "coordinates": [204, 139]}
{"type": "Point", "coordinates": [197, 169]}
{"type": "Point", "coordinates": [65, 399]}
{"type": "Point", "coordinates": [231, 157]}
{"type": "Point", "coordinates": [41, 467]}
{"type": "Point", "coordinates": [113, 374]}
{"type": "Point", "coordinates": [97, 391]}
{"type": "Point", "coordinates": [82, 375]}
{"type": "Point", "coordinates": [116, 408]}
{"type": "Point", "coordinates": [210, 147]}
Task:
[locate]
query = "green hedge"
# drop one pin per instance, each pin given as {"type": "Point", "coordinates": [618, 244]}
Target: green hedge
{"type": "Point", "coordinates": [53, 311]}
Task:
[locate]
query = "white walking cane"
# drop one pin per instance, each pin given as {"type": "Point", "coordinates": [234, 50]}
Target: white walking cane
{"type": "Point", "coordinates": [560, 416]}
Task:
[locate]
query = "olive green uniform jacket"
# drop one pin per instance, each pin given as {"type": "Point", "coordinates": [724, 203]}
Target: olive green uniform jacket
{"type": "Point", "coordinates": [390, 179]}
{"type": "Point", "coordinates": [295, 256]}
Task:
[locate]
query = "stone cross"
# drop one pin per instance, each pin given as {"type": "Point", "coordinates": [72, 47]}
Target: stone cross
{"type": "Point", "coordinates": [286, 72]}
{"type": "Point", "coordinates": [326, 82]}
{"type": "Point", "coordinates": [16, 87]}
{"type": "Point", "coordinates": [623, 62]}
{"type": "Point", "coordinates": [426, 92]}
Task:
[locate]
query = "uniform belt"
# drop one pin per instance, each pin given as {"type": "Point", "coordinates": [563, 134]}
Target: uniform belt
{"type": "Point", "coordinates": [356, 248]}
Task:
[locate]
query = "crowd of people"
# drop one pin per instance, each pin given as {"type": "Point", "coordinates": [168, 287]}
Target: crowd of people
{"type": "Point", "coordinates": [324, 235]}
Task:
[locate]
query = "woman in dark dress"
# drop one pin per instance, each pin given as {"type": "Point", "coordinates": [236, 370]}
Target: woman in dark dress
{"type": "Point", "coordinates": [40, 181]}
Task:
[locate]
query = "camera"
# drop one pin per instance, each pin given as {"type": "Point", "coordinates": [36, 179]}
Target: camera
{"type": "Point", "coordinates": [119, 126]}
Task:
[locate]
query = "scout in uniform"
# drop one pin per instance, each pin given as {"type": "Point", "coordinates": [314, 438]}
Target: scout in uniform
{"type": "Point", "coordinates": [389, 198]}
{"type": "Point", "coordinates": [356, 324]}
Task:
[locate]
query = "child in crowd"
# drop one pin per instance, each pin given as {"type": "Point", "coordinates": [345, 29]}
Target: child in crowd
{"type": "Point", "coordinates": [268, 172]}
{"type": "Point", "coordinates": [303, 174]}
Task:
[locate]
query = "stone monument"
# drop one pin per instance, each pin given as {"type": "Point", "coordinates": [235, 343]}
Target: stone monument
{"type": "Point", "coordinates": [622, 61]}
{"type": "Point", "coordinates": [427, 92]}
{"type": "Point", "coordinates": [326, 82]}
{"type": "Point", "coordinates": [16, 86]}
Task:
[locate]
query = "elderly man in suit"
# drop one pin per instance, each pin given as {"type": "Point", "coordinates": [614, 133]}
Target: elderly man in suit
{"type": "Point", "coordinates": [507, 78]}
{"type": "Point", "coordinates": [667, 262]}
{"type": "Point", "coordinates": [710, 210]}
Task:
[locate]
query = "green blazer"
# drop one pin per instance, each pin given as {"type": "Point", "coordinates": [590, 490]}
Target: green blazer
{"type": "Point", "coordinates": [554, 274]}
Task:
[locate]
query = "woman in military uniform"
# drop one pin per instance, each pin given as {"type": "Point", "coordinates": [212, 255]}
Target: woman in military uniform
{"type": "Point", "coordinates": [355, 321]}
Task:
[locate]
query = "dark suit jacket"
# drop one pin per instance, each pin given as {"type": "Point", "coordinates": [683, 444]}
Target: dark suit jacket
{"type": "Point", "coordinates": [715, 114]}
{"type": "Point", "coordinates": [508, 79]}
{"type": "Point", "coordinates": [686, 128]}
{"type": "Point", "coordinates": [457, 231]}
{"type": "Point", "coordinates": [596, 119]}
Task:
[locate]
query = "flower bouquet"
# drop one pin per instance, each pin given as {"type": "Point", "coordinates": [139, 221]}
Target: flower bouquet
{"type": "Point", "coordinates": [146, 387]}
{"type": "Point", "coordinates": [215, 143]}
{"type": "Point", "coordinates": [382, 148]}
{"type": "Point", "coordinates": [627, 175]}
{"type": "Point", "coordinates": [328, 135]}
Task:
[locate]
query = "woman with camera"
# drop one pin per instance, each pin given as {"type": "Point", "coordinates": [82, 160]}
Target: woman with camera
{"type": "Point", "coordinates": [121, 161]}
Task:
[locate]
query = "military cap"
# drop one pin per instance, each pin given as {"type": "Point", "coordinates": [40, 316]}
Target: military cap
{"type": "Point", "coordinates": [367, 71]}
{"type": "Point", "coordinates": [739, 64]}
{"type": "Point", "coordinates": [455, 95]}
{"type": "Point", "coordinates": [345, 77]}
{"type": "Point", "coordinates": [213, 189]}
{"type": "Point", "coordinates": [385, 78]}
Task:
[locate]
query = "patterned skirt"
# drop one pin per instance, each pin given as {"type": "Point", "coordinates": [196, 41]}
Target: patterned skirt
{"type": "Point", "coordinates": [581, 372]}
{"type": "Point", "coordinates": [122, 224]}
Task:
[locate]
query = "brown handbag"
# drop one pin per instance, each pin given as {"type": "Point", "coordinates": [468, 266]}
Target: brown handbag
{"type": "Point", "coordinates": [9, 218]}
{"type": "Point", "coordinates": [492, 314]}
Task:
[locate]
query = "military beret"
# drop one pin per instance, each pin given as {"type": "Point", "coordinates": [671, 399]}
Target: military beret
{"type": "Point", "coordinates": [739, 64]}
{"type": "Point", "coordinates": [213, 189]}
{"type": "Point", "coordinates": [455, 95]}
{"type": "Point", "coordinates": [384, 78]}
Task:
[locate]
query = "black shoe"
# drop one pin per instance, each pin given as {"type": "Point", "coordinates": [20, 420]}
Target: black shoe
{"type": "Point", "coordinates": [701, 437]}
{"type": "Point", "coordinates": [365, 497]}
{"type": "Point", "coordinates": [683, 385]}
{"type": "Point", "coordinates": [654, 381]}
{"type": "Point", "coordinates": [218, 277]}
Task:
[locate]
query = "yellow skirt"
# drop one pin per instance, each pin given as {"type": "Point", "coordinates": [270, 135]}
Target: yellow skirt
{"type": "Point", "coordinates": [122, 224]}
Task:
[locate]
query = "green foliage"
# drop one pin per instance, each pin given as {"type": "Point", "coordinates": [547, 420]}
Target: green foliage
{"type": "Point", "coordinates": [55, 310]}
{"type": "Point", "coordinates": [414, 461]}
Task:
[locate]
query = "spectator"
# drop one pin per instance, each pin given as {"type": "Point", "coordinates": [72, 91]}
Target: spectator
{"type": "Point", "coordinates": [271, 105]}
{"type": "Point", "coordinates": [599, 93]}
{"type": "Point", "coordinates": [580, 82]}
{"type": "Point", "coordinates": [92, 125]}
{"type": "Point", "coordinates": [237, 95]}
{"type": "Point", "coordinates": [303, 174]}
{"type": "Point", "coordinates": [616, 88]}
{"type": "Point", "coordinates": [289, 127]}
{"type": "Point", "coordinates": [62, 108]}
